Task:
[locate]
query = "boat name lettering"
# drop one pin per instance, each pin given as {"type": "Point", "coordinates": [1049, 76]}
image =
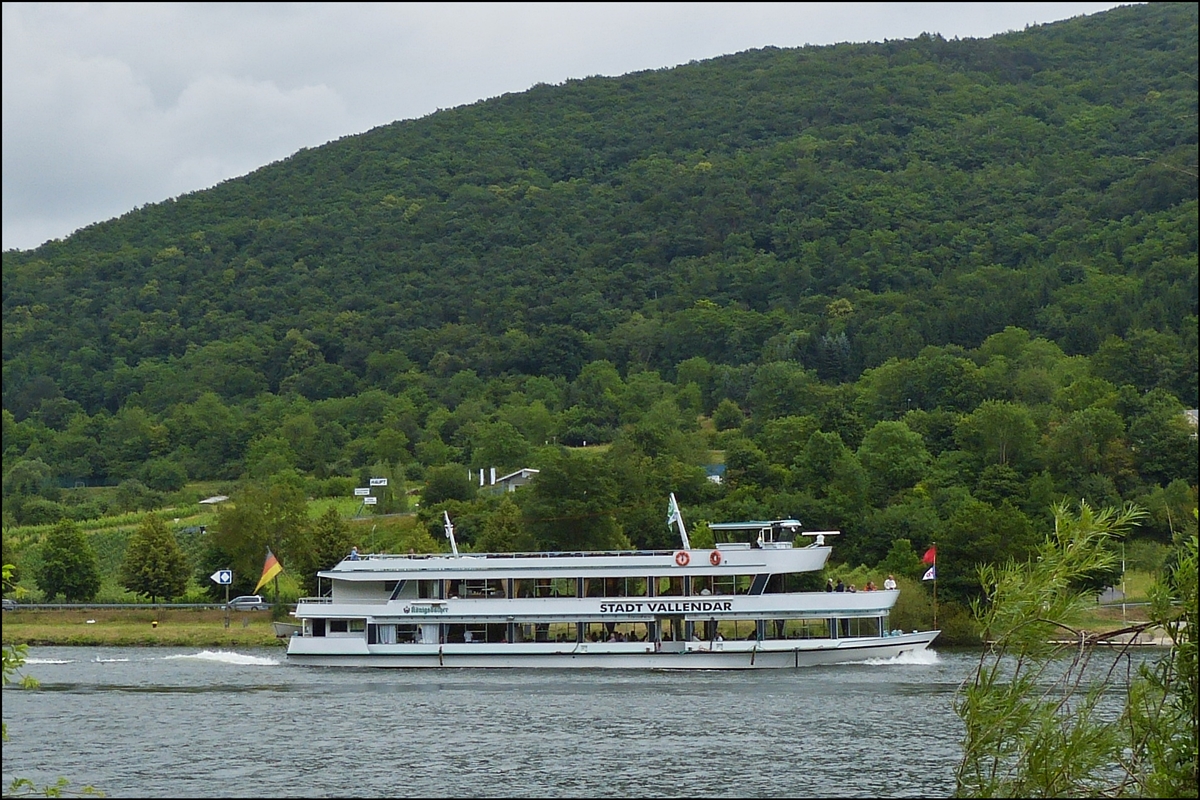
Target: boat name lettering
{"type": "Point", "coordinates": [667, 607]}
{"type": "Point", "coordinates": [425, 608]}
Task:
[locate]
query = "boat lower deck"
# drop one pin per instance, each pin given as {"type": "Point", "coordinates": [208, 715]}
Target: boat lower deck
{"type": "Point", "coordinates": [741, 654]}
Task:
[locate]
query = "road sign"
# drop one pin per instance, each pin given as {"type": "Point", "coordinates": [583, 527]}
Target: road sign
{"type": "Point", "coordinates": [379, 481]}
{"type": "Point", "coordinates": [362, 492]}
{"type": "Point", "coordinates": [224, 577]}
{"type": "Point", "coordinates": [370, 501]}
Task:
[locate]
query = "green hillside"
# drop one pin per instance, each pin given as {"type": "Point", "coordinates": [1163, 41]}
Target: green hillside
{"type": "Point", "coordinates": [917, 290]}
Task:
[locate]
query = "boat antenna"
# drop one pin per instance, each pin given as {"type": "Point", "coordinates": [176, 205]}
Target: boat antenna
{"type": "Point", "coordinates": [450, 533]}
{"type": "Point", "coordinates": [675, 518]}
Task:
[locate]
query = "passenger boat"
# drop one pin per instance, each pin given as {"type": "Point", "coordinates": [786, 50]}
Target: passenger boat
{"type": "Point", "coordinates": [737, 605]}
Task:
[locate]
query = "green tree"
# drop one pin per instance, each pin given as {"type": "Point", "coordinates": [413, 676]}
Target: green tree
{"type": "Point", "coordinates": [164, 475]}
{"type": "Point", "coordinates": [271, 515]}
{"type": "Point", "coordinates": [572, 504]}
{"type": "Point", "coordinates": [504, 531]}
{"type": "Point", "coordinates": [500, 445]}
{"type": "Point", "coordinates": [894, 457]}
{"type": "Point", "coordinates": [977, 534]}
{"type": "Point", "coordinates": [727, 416]}
{"type": "Point", "coordinates": [327, 542]}
{"type": "Point", "coordinates": [154, 564]}
{"type": "Point", "coordinates": [999, 432]}
{"type": "Point", "coordinates": [449, 482]}
{"type": "Point", "coordinates": [1032, 711]}
{"type": "Point", "coordinates": [68, 565]}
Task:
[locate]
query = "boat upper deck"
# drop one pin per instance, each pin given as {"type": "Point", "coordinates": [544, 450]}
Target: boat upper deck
{"type": "Point", "coordinates": [725, 559]}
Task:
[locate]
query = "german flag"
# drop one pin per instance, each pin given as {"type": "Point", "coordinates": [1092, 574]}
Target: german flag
{"type": "Point", "coordinates": [271, 568]}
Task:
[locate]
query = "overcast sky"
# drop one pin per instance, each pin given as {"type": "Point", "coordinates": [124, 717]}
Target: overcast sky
{"type": "Point", "coordinates": [110, 106]}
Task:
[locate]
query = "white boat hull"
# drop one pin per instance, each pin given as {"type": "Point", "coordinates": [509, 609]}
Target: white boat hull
{"type": "Point", "coordinates": [770, 654]}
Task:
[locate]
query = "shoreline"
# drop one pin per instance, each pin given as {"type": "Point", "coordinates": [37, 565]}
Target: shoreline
{"type": "Point", "coordinates": [138, 628]}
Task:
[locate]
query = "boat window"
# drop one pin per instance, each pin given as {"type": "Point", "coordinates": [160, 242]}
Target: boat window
{"type": "Point", "coordinates": [732, 584]}
{"type": "Point", "coordinates": [395, 588]}
{"type": "Point", "coordinates": [615, 587]}
{"type": "Point", "coordinates": [556, 587]}
{"type": "Point", "coordinates": [547, 632]}
{"type": "Point", "coordinates": [381, 634]}
{"type": "Point", "coordinates": [482, 588]}
{"type": "Point", "coordinates": [427, 590]}
{"type": "Point", "coordinates": [476, 633]}
{"type": "Point", "coordinates": [358, 625]}
{"type": "Point", "coordinates": [338, 626]}
{"type": "Point", "coordinates": [524, 587]}
{"type": "Point", "coordinates": [625, 587]}
{"type": "Point", "coordinates": [670, 586]}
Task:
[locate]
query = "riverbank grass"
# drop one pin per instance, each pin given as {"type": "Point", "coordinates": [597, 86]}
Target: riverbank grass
{"type": "Point", "coordinates": [139, 628]}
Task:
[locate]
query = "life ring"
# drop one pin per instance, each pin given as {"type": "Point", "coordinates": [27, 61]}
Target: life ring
{"type": "Point", "coordinates": [714, 558]}
{"type": "Point", "coordinates": [682, 558]}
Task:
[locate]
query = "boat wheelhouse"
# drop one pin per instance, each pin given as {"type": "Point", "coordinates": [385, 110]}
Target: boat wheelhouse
{"type": "Point", "coordinates": [738, 605]}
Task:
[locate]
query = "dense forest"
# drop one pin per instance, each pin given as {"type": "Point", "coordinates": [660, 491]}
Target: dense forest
{"type": "Point", "coordinates": [918, 291]}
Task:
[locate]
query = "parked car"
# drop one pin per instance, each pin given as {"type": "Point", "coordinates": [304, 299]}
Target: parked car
{"type": "Point", "coordinates": [248, 602]}
{"type": "Point", "coordinates": [10, 605]}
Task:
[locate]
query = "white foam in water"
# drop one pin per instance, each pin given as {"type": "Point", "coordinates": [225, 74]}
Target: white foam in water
{"type": "Point", "coordinates": [228, 657]}
{"type": "Point", "coordinates": [918, 657]}
{"type": "Point", "coordinates": [49, 661]}
{"type": "Point", "coordinates": [99, 660]}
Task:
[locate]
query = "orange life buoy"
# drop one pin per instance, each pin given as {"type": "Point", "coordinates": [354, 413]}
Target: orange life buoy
{"type": "Point", "coordinates": [715, 558]}
{"type": "Point", "coordinates": [682, 558]}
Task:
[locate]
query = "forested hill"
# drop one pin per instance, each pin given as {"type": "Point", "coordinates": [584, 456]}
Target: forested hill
{"type": "Point", "coordinates": [851, 235]}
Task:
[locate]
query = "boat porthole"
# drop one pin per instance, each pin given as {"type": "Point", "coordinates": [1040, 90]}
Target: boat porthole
{"type": "Point", "coordinates": [682, 558]}
{"type": "Point", "coordinates": [715, 558]}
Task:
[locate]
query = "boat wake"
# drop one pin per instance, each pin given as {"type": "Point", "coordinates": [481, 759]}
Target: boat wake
{"type": "Point", "coordinates": [30, 661]}
{"type": "Point", "coordinates": [99, 660]}
{"type": "Point", "coordinates": [911, 657]}
{"type": "Point", "coordinates": [228, 657]}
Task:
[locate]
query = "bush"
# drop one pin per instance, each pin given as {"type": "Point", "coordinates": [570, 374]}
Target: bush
{"type": "Point", "coordinates": [1145, 555]}
{"type": "Point", "coordinates": [38, 511]}
{"type": "Point", "coordinates": [958, 625]}
{"type": "Point", "coordinates": [164, 475]}
{"type": "Point", "coordinates": [336, 486]}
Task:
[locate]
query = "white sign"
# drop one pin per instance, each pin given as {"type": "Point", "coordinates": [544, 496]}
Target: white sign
{"type": "Point", "coordinates": [362, 492]}
{"type": "Point", "coordinates": [370, 501]}
{"type": "Point", "coordinates": [379, 481]}
{"type": "Point", "coordinates": [224, 577]}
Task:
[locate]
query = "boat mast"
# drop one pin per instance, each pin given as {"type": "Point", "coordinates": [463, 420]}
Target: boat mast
{"type": "Point", "coordinates": [450, 533]}
{"type": "Point", "coordinates": [674, 517]}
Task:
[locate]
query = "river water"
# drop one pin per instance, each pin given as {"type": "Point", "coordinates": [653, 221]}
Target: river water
{"type": "Point", "coordinates": [171, 722]}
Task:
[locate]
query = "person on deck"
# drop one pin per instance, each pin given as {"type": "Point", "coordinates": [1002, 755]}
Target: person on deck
{"type": "Point", "coordinates": [829, 585]}
{"type": "Point", "coordinates": [841, 587]}
{"type": "Point", "coordinates": [353, 554]}
{"type": "Point", "coordinates": [890, 583]}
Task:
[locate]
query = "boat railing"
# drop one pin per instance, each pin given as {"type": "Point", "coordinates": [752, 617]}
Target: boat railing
{"type": "Point", "coordinates": [540, 554]}
{"type": "Point", "coordinates": [322, 600]}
